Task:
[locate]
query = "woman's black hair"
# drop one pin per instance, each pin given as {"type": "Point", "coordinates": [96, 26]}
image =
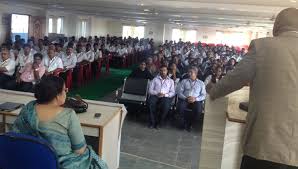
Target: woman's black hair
{"type": "Point", "coordinates": [38, 55]}
{"type": "Point", "coordinates": [48, 88]}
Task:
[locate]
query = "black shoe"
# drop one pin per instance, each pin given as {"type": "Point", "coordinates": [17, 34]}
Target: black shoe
{"type": "Point", "coordinates": [150, 126]}
{"type": "Point", "coordinates": [156, 127]}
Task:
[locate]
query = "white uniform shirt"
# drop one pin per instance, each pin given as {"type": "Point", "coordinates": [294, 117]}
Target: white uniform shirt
{"type": "Point", "coordinates": [22, 60]}
{"type": "Point", "coordinates": [122, 51]}
{"type": "Point", "coordinates": [90, 56]}
{"type": "Point", "coordinates": [69, 61]}
{"type": "Point", "coordinates": [10, 66]}
{"type": "Point", "coordinates": [60, 54]}
{"type": "Point", "coordinates": [97, 54]}
{"type": "Point", "coordinates": [81, 56]}
{"type": "Point", "coordinates": [52, 64]}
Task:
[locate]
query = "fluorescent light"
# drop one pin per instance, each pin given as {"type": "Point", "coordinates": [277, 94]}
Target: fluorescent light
{"type": "Point", "coordinates": [142, 4]}
{"type": "Point", "coordinates": [293, 1]}
{"type": "Point", "coordinates": [146, 10]}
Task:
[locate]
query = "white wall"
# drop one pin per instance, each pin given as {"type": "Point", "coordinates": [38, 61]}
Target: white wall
{"type": "Point", "coordinates": [99, 26]}
{"type": "Point", "coordinates": [114, 27]}
{"type": "Point", "coordinates": [7, 9]}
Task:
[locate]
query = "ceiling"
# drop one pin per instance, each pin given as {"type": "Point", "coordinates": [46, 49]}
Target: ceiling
{"type": "Point", "coordinates": [228, 13]}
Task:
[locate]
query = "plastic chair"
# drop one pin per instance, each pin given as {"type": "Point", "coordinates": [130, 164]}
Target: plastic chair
{"type": "Point", "coordinates": [134, 91]}
{"type": "Point", "coordinates": [99, 66]}
{"type": "Point", "coordinates": [19, 151]}
{"type": "Point", "coordinates": [68, 82]}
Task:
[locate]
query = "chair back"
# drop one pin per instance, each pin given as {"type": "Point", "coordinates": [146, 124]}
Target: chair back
{"type": "Point", "coordinates": [136, 86]}
{"type": "Point", "coordinates": [19, 151]}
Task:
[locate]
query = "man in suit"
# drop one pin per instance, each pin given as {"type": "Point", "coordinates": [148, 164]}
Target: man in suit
{"type": "Point", "coordinates": [270, 67]}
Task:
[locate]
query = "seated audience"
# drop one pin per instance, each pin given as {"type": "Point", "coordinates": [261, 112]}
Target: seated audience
{"type": "Point", "coordinates": [52, 62]}
{"type": "Point", "coordinates": [25, 57]}
{"type": "Point", "coordinates": [191, 93]}
{"type": "Point", "coordinates": [141, 72]}
{"type": "Point", "coordinates": [151, 66]}
{"type": "Point", "coordinates": [214, 77]}
{"type": "Point", "coordinates": [174, 73]}
{"type": "Point", "coordinates": [81, 55]}
{"type": "Point", "coordinates": [161, 91]}
{"type": "Point", "coordinates": [69, 59]}
{"type": "Point", "coordinates": [28, 76]}
{"type": "Point", "coordinates": [89, 53]}
{"type": "Point", "coordinates": [49, 120]}
{"type": "Point", "coordinates": [7, 67]}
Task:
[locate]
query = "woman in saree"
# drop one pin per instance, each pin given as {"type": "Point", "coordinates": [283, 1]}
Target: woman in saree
{"type": "Point", "coordinates": [46, 118]}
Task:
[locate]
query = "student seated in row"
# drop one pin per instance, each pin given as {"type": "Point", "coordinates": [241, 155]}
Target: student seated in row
{"type": "Point", "coordinates": [161, 90]}
{"type": "Point", "coordinates": [52, 62]}
{"type": "Point", "coordinates": [28, 76]}
{"type": "Point", "coordinates": [191, 93]}
{"type": "Point", "coordinates": [7, 67]}
{"type": "Point", "coordinates": [141, 72]}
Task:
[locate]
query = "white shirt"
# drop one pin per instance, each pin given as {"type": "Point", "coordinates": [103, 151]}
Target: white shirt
{"type": "Point", "coordinates": [81, 56]}
{"type": "Point", "coordinates": [10, 66]}
{"type": "Point", "coordinates": [122, 51]}
{"type": "Point", "coordinates": [69, 61]}
{"type": "Point", "coordinates": [52, 64]}
{"type": "Point", "coordinates": [60, 54]}
{"type": "Point", "coordinates": [22, 60]}
{"type": "Point", "coordinates": [97, 54]}
{"type": "Point", "coordinates": [90, 56]}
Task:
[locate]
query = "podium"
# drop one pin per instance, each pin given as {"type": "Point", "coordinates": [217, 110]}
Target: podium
{"type": "Point", "coordinates": [223, 127]}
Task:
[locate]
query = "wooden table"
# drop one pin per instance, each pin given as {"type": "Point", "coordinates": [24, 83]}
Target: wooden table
{"type": "Point", "coordinates": [223, 129]}
{"type": "Point", "coordinates": [107, 128]}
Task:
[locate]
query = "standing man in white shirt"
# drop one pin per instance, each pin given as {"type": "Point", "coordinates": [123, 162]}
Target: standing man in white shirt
{"type": "Point", "coordinates": [7, 67]}
{"type": "Point", "coordinates": [52, 62]}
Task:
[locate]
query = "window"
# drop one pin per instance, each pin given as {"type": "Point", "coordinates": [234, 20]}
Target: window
{"type": "Point", "coordinates": [133, 31]}
{"type": "Point", "coordinates": [50, 25]}
{"type": "Point", "coordinates": [185, 35]}
{"type": "Point", "coordinates": [19, 26]}
{"type": "Point", "coordinates": [60, 25]}
{"type": "Point", "coordinates": [83, 28]}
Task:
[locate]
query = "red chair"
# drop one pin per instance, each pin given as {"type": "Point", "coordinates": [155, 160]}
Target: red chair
{"type": "Point", "coordinates": [87, 72]}
{"type": "Point", "coordinates": [56, 72]}
{"type": "Point", "coordinates": [80, 75]}
{"type": "Point", "coordinates": [99, 66]}
{"type": "Point", "coordinates": [211, 44]}
{"type": "Point", "coordinates": [68, 82]}
{"type": "Point", "coordinates": [107, 63]}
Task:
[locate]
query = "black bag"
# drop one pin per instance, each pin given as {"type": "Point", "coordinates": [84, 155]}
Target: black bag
{"type": "Point", "coordinates": [244, 106]}
{"type": "Point", "coordinates": [76, 103]}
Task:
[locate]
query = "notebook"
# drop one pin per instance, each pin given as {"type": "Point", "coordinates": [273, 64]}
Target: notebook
{"type": "Point", "coordinates": [10, 106]}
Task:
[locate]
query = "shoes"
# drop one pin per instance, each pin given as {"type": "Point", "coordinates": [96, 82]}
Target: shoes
{"type": "Point", "coordinates": [150, 126]}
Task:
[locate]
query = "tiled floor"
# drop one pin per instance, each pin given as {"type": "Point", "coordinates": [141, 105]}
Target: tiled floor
{"type": "Point", "coordinates": [129, 161]}
{"type": "Point", "coordinates": [168, 145]}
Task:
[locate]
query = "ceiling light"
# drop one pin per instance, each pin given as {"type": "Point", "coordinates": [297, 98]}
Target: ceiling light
{"type": "Point", "coordinates": [142, 4]}
{"type": "Point", "coordinates": [293, 1]}
{"type": "Point", "coordinates": [146, 10]}
{"type": "Point", "coordinates": [156, 13]}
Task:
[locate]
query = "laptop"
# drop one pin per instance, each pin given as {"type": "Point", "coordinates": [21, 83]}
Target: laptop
{"type": "Point", "coordinates": [10, 106]}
